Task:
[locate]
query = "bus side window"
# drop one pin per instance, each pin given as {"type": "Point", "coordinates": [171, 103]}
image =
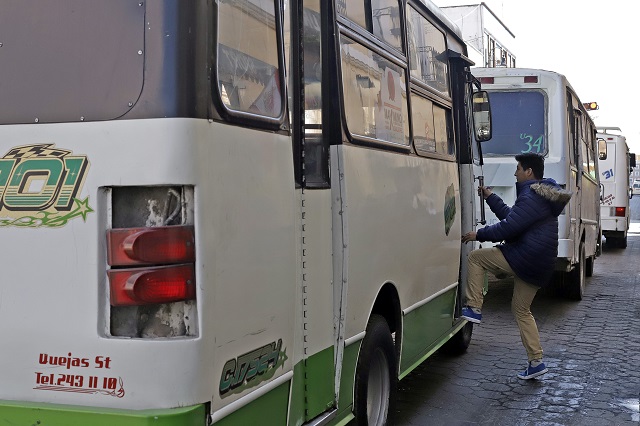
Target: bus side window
{"type": "Point", "coordinates": [431, 126]}
{"type": "Point", "coordinates": [592, 150]}
{"type": "Point", "coordinates": [379, 17]}
{"type": "Point", "coordinates": [375, 96]}
{"type": "Point", "coordinates": [584, 144]}
{"type": "Point", "coordinates": [247, 58]}
{"type": "Point", "coordinates": [427, 47]}
{"type": "Point", "coordinates": [424, 138]}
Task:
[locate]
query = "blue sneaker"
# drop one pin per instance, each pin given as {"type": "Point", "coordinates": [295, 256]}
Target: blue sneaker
{"type": "Point", "coordinates": [471, 314]}
{"type": "Point", "coordinates": [532, 372]}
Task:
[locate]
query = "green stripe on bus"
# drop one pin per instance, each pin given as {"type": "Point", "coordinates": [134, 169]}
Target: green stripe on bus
{"type": "Point", "coordinates": [320, 388]}
{"type": "Point", "coordinates": [27, 414]}
{"type": "Point", "coordinates": [430, 322]}
{"type": "Point", "coordinates": [269, 409]}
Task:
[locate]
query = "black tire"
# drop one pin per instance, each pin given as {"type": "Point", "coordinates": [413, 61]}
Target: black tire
{"type": "Point", "coordinates": [622, 242]}
{"type": "Point", "coordinates": [577, 277]}
{"type": "Point", "coordinates": [588, 268]}
{"type": "Point", "coordinates": [617, 242]}
{"type": "Point", "coordinates": [376, 376]}
{"type": "Point", "coordinates": [460, 341]}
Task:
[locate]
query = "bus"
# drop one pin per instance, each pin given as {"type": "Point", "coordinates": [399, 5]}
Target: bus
{"type": "Point", "coordinates": [233, 212]}
{"type": "Point", "coordinates": [538, 111]}
{"type": "Point", "coordinates": [615, 163]}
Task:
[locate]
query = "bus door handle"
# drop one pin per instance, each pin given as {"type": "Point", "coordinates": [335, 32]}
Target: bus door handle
{"type": "Point", "coordinates": [483, 219]}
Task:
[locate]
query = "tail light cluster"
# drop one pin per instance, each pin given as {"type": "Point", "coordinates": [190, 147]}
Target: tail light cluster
{"type": "Point", "coordinates": [159, 265]}
{"type": "Point", "coordinates": [620, 211]}
{"type": "Point", "coordinates": [151, 262]}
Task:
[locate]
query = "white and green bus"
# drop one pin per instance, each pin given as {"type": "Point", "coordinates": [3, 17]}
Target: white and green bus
{"type": "Point", "coordinates": [229, 212]}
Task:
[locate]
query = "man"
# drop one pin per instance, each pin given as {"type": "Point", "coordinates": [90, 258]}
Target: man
{"type": "Point", "coordinates": [529, 230]}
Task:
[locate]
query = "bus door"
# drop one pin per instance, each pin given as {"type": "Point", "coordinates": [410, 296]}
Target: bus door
{"type": "Point", "coordinates": [578, 158]}
{"type": "Point", "coordinates": [316, 387]}
{"type": "Point", "coordinates": [470, 161]}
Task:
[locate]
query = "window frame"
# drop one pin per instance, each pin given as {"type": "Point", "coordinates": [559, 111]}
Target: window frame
{"type": "Point", "coordinates": [357, 138]}
{"type": "Point", "coordinates": [245, 118]}
{"type": "Point", "coordinates": [345, 27]}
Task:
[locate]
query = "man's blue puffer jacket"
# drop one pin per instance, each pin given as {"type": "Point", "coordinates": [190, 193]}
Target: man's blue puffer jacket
{"type": "Point", "coordinates": [529, 229]}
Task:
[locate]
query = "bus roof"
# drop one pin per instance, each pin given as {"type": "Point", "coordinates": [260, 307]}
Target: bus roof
{"type": "Point", "coordinates": [444, 19]}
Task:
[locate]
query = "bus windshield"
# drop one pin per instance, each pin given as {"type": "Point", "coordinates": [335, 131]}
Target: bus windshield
{"type": "Point", "coordinates": [517, 124]}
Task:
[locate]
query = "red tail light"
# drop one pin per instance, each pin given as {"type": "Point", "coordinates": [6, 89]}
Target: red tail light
{"type": "Point", "coordinates": [164, 284]}
{"type": "Point", "coordinates": [486, 80]}
{"type": "Point", "coordinates": [530, 78]}
{"type": "Point", "coordinates": [158, 245]}
{"type": "Point", "coordinates": [620, 211]}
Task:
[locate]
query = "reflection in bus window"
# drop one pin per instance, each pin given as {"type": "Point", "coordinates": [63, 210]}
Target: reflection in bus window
{"type": "Point", "coordinates": [422, 121]}
{"type": "Point", "coordinates": [517, 123]}
{"type": "Point", "coordinates": [427, 52]}
{"type": "Point", "coordinates": [431, 128]}
{"type": "Point", "coordinates": [379, 17]}
{"type": "Point", "coordinates": [374, 94]}
{"type": "Point", "coordinates": [592, 151]}
{"type": "Point", "coordinates": [444, 141]}
{"type": "Point", "coordinates": [312, 64]}
{"type": "Point", "coordinates": [354, 10]}
{"type": "Point", "coordinates": [248, 75]}
{"type": "Point", "coordinates": [386, 21]}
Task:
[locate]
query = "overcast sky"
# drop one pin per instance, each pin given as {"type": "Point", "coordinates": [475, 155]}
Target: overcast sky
{"type": "Point", "coordinates": [594, 43]}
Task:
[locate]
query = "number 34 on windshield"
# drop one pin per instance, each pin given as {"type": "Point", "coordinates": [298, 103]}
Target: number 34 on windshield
{"type": "Point", "coordinates": [532, 146]}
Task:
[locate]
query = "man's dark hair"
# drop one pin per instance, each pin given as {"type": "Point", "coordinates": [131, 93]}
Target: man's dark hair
{"type": "Point", "coordinates": [532, 161]}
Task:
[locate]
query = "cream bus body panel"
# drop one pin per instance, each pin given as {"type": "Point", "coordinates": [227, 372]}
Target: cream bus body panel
{"type": "Point", "coordinates": [317, 279]}
{"type": "Point", "coordinates": [402, 197]}
{"type": "Point", "coordinates": [64, 269]}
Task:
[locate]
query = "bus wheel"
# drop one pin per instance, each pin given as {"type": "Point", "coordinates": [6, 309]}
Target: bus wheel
{"type": "Point", "coordinates": [589, 266]}
{"type": "Point", "coordinates": [460, 341]}
{"type": "Point", "coordinates": [622, 242]}
{"type": "Point", "coordinates": [376, 376]}
{"type": "Point", "coordinates": [577, 278]}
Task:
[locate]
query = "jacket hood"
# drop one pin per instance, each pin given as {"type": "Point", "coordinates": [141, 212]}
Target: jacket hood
{"type": "Point", "coordinates": [553, 193]}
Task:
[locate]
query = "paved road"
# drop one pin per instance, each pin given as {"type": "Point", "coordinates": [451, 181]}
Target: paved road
{"type": "Point", "coordinates": [592, 348]}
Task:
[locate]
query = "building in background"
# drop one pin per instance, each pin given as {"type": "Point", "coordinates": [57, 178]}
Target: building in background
{"type": "Point", "coordinates": [489, 40]}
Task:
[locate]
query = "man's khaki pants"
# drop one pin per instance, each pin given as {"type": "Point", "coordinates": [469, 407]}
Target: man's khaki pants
{"type": "Point", "coordinates": [491, 259]}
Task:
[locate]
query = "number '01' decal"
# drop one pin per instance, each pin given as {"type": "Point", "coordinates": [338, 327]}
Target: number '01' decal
{"type": "Point", "coordinates": [39, 185]}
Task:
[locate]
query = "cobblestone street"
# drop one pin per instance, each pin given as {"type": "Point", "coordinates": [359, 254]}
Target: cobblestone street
{"type": "Point", "coordinates": [592, 349]}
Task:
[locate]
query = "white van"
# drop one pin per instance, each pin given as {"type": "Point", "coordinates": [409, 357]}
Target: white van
{"type": "Point", "coordinates": [615, 164]}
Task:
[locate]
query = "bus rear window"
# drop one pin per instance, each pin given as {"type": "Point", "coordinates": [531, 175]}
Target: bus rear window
{"type": "Point", "coordinates": [517, 123]}
{"type": "Point", "coordinates": [248, 69]}
{"type": "Point", "coordinates": [70, 61]}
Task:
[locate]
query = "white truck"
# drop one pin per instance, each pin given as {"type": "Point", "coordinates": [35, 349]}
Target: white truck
{"type": "Point", "coordinates": [615, 163]}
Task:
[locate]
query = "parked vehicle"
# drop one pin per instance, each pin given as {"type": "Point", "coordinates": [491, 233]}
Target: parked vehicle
{"type": "Point", "coordinates": [230, 212]}
{"type": "Point", "coordinates": [615, 163]}
{"type": "Point", "coordinates": [538, 111]}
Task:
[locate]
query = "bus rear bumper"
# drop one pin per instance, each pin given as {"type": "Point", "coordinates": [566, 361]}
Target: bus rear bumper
{"type": "Point", "coordinates": [27, 413]}
{"type": "Point", "coordinates": [617, 224]}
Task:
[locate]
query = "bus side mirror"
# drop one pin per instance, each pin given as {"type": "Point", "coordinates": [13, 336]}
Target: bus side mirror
{"type": "Point", "coordinates": [602, 149]}
{"type": "Point", "coordinates": [481, 116]}
{"type": "Point", "coordinates": [632, 160]}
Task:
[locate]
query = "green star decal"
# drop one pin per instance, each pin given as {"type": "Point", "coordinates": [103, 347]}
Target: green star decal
{"type": "Point", "coordinates": [82, 208]}
{"type": "Point", "coordinates": [48, 219]}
